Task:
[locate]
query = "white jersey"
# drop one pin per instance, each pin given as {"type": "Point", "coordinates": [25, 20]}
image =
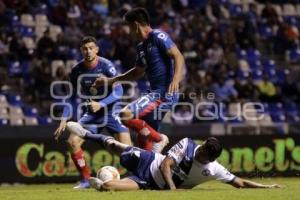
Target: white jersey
{"type": "Point", "coordinates": [188, 172]}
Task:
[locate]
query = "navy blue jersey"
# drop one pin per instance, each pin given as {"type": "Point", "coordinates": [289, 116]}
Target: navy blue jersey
{"type": "Point", "coordinates": [152, 55]}
{"type": "Point", "coordinates": [82, 78]}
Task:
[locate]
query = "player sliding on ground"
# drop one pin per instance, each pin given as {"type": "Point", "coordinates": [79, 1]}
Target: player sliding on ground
{"type": "Point", "coordinates": [186, 165]}
{"type": "Point", "coordinates": [155, 55]}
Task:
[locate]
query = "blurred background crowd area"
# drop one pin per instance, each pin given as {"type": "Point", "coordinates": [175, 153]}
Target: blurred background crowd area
{"type": "Point", "coordinates": [237, 51]}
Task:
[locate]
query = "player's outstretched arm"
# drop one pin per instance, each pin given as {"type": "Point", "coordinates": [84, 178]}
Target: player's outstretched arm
{"type": "Point", "coordinates": [165, 169]}
{"type": "Point", "coordinates": [178, 71]}
{"type": "Point", "coordinates": [131, 75]}
{"type": "Point", "coordinates": [243, 183]}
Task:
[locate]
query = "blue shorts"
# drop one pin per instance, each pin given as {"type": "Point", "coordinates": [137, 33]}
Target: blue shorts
{"type": "Point", "coordinates": [138, 162]}
{"type": "Point", "coordinates": [152, 107]}
{"type": "Point", "coordinates": [95, 122]}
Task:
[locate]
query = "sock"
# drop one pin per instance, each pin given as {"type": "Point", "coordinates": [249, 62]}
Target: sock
{"type": "Point", "coordinates": [100, 138]}
{"type": "Point", "coordinates": [146, 134]}
{"type": "Point", "coordinates": [80, 163]}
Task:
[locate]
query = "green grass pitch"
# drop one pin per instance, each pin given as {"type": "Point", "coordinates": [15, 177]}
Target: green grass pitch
{"type": "Point", "coordinates": [210, 191]}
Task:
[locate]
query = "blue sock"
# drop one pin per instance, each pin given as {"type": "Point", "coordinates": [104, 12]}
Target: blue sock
{"type": "Point", "coordinates": [100, 138]}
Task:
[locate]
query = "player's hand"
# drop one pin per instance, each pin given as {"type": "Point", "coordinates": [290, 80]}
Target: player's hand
{"type": "Point", "coordinates": [60, 129]}
{"type": "Point", "coordinates": [94, 106]}
{"type": "Point", "coordinates": [174, 87]}
{"type": "Point", "coordinates": [274, 186]}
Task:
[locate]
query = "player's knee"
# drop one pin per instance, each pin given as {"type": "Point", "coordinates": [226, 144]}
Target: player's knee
{"type": "Point", "coordinates": [73, 143]}
{"type": "Point", "coordinates": [126, 115]}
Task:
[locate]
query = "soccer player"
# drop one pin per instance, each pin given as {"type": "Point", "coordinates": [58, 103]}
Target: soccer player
{"type": "Point", "coordinates": [99, 111]}
{"type": "Point", "coordinates": [155, 55]}
{"type": "Point", "coordinates": [185, 166]}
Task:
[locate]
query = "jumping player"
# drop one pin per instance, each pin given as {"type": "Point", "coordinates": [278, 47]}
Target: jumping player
{"type": "Point", "coordinates": [185, 166]}
{"type": "Point", "coordinates": [155, 55]}
{"type": "Point", "coordinates": [99, 111]}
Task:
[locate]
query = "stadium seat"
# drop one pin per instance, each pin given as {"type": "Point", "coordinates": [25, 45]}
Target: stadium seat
{"type": "Point", "coordinates": [44, 120]}
{"type": "Point", "coordinates": [41, 20]}
{"type": "Point", "coordinates": [54, 31]}
{"type": "Point", "coordinates": [3, 101]}
{"type": "Point", "coordinates": [14, 68]}
{"type": "Point", "coordinates": [298, 10]}
{"type": "Point", "coordinates": [294, 55]}
{"type": "Point", "coordinates": [289, 10]}
{"type": "Point", "coordinates": [259, 8]}
{"type": "Point", "coordinates": [268, 64]}
{"type": "Point", "coordinates": [257, 75]}
{"type": "Point", "coordinates": [27, 31]}
{"type": "Point", "coordinates": [276, 107]}
{"type": "Point", "coordinates": [70, 64]}
{"type": "Point", "coordinates": [235, 10]}
{"type": "Point", "coordinates": [281, 74]}
{"type": "Point", "coordinates": [278, 117]}
{"type": "Point", "coordinates": [27, 20]}
{"type": "Point", "coordinates": [265, 32]}
{"type": "Point", "coordinates": [56, 64]}
{"type": "Point", "coordinates": [14, 100]}
{"type": "Point", "coordinates": [241, 53]}
{"type": "Point", "coordinates": [39, 31]}
{"type": "Point", "coordinates": [30, 111]}
{"type": "Point", "coordinates": [243, 65]}
{"type": "Point", "coordinates": [16, 121]}
{"type": "Point", "coordinates": [31, 121]}
{"type": "Point", "coordinates": [3, 122]}
{"type": "Point", "coordinates": [290, 106]}
{"type": "Point", "coordinates": [253, 55]}
{"type": "Point", "coordinates": [15, 112]}
{"type": "Point", "coordinates": [278, 9]}
{"type": "Point", "coordinates": [29, 42]}
{"type": "Point", "coordinates": [4, 113]}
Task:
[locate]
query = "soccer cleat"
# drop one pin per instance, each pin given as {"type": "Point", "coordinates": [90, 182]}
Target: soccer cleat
{"type": "Point", "coordinates": [76, 128]}
{"type": "Point", "coordinates": [84, 184]}
{"type": "Point", "coordinates": [95, 183]}
{"type": "Point", "coordinates": [159, 146]}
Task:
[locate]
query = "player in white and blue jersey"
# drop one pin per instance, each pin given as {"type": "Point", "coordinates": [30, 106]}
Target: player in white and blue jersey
{"type": "Point", "coordinates": [159, 58]}
{"type": "Point", "coordinates": [186, 165]}
{"type": "Point", "coordinates": [101, 110]}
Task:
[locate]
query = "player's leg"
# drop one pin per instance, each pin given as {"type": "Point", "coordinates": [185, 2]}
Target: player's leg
{"type": "Point", "coordinates": [74, 143]}
{"type": "Point", "coordinates": [106, 141]}
{"type": "Point", "coordinates": [124, 184]}
{"type": "Point", "coordinates": [131, 114]}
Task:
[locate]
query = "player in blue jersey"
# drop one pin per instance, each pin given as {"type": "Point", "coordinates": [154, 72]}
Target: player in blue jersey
{"type": "Point", "coordinates": [101, 106]}
{"type": "Point", "coordinates": [186, 165]}
{"type": "Point", "coordinates": [161, 61]}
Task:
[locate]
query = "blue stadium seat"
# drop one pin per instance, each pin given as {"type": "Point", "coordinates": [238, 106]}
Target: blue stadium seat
{"type": "Point", "coordinates": [268, 64]}
{"type": "Point", "coordinates": [255, 64]}
{"type": "Point", "coordinates": [290, 107]}
{"type": "Point", "coordinates": [3, 122]}
{"type": "Point", "coordinates": [257, 75]}
{"type": "Point", "coordinates": [26, 31]}
{"type": "Point", "coordinates": [253, 55]}
{"type": "Point", "coordinates": [14, 100]}
{"type": "Point", "coordinates": [241, 53]}
{"type": "Point", "coordinates": [265, 32]}
{"type": "Point", "coordinates": [30, 111]}
{"type": "Point", "coordinates": [294, 55]}
{"type": "Point", "coordinates": [281, 74]}
{"type": "Point", "coordinates": [45, 120]}
{"type": "Point", "coordinates": [276, 107]}
{"type": "Point", "coordinates": [278, 117]}
{"type": "Point", "coordinates": [235, 10]}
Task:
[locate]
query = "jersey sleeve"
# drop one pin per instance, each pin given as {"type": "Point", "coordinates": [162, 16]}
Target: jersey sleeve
{"type": "Point", "coordinates": [164, 41]}
{"type": "Point", "coordinates": [110, 70]}
{"type": "Point", "coordinates": [222, 174]}
{"type": "Point", "coordinates": [140, 60]}
{"type": "Point", "coordinates": [178, 151]}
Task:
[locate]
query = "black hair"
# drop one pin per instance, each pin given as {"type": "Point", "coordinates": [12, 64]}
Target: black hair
{"type": "Point", "coordinates": [87, 39]}
{"type": "Point", "coordinates": [213, 148]}
{"type": "Point", "coordinates": [139, 15]}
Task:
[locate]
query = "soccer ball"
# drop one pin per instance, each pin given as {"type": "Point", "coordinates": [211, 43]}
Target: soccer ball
{"type": "Point", "coordinates": [108, 173]}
